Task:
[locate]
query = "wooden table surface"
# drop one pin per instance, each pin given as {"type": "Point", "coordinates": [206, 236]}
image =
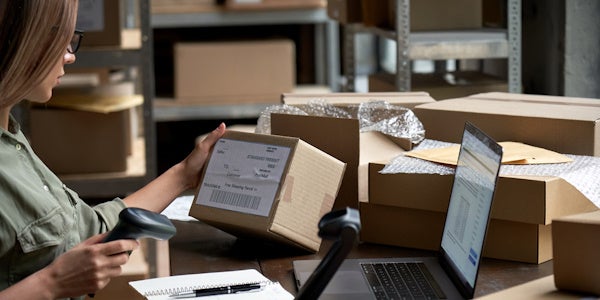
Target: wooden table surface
{"type": "Point", "coordinates": [199, 248]}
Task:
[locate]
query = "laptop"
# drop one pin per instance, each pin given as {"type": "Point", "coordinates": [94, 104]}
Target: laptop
{"type": "Point", "coordinates": [453, 273]}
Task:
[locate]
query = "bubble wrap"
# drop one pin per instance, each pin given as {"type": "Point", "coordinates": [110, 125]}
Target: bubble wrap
{"type": "Point", "coordinates": [583, 173]}
{"type": "Point", "coordinates": [378, 116]}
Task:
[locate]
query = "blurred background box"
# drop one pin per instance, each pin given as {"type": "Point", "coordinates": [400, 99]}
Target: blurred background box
{"type": "Point", "coordinates": [101, 21]}
{"type": "Point", "coordinates": [182, 6]}
{"type": "Point", "coordinates": [345, 11]}
{"type": "Point", "coordinates": [426, 14]}
{"type": "Point", "coordinates": [442, 86]}
{"type": "Point", "coordinates": [74, 137]}
{"type": "Point", "coordinates": [136, 268]}
{"type": "Point", "coordinates": [253, 71]}
{"type": "Point", "coordinates": [273, 4]}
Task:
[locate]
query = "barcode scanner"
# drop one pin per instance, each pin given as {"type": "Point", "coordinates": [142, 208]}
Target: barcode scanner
{"type": "Point", "coordinates": [343, 226]}
{"type": "Point", "coordinates": [135, 223]}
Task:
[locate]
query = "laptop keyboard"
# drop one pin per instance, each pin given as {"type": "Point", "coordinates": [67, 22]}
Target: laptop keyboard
{"type": "Point", "coordinates": [397, 280]}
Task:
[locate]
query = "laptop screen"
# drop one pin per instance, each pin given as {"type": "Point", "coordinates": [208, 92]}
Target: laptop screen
{"type": "Point", "coordinates": [470, 204]}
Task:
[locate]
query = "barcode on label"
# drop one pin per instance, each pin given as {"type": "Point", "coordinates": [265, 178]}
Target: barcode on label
{"type": "Point", "coordinates": [235, 199]}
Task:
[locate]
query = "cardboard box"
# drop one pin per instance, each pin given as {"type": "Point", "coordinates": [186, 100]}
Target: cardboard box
{"type": "Point", "coordinates": [522, 213]}
{"type": "Point", "coordinates": [426, 15]}
{"type": "Point", "coordinates": [341, 138]}
{"type": "Point", "coordinates": [234, 72]}
{"type": "Point", "coordinates": [136, 268]}
{"type": "Point", "coordinates": [562, 124]}
{"type": "Point", "coordinates": [268, 186]}
{"type": "Point", "coordinates": [101, 21]}
{"type": "Point", "coordinates": [527, 199]}
{"type": "Point", "coordinates": [345, 11]}
{"type": "Point", "coordinates": [576, 258]}
{"type": "Point", "coordinates": [84, 137]}
{"type": "Point", "coordinates": [183, 6]}
{"type": "Point", "coordinates": [273, 4]}
{"type": "Point", "coordinates": [404, 99]}
{"type": "Point", "coordinates": [442, 86]}
{"type": "Point", "coordinates": [422, 229]}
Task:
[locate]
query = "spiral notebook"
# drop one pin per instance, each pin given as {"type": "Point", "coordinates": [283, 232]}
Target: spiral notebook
{"type": "Point", "coordinates": [163, 287]}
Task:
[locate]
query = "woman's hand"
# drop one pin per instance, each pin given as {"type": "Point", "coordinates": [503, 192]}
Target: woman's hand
{"type": "Point", "coordinates": [183, 176]}
{"type": "Point", "coordinates": [88, 267]}
{"type": "Point", "coordinates": [196, 160]}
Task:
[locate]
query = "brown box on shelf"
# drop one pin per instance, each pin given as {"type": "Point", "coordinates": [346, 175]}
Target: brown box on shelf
{"type": "Point", "coordinates": [426, 15]}
{"type": "Point", "coordinates": [101, 21]}
{"type": "Point", "coordinates": [562, 124]}
{"type": "Point", "coordinates": [422, 229]}
{"type": "Point", "coordinates": [266, 186]}
{"type": "Point", "coordinates": [183, 6]}
{"type": "Point", "coordinates": [273, 4]}
{"type": "Point", "coordinates": [576, 258]}
{"type": "Point", "coordinates": [522, 213]}
{"type": "Point", "coordinates": [84, 134]}
{"type": "Point", "coordinates": [345, 11]}
{"type": "Point", "coordinates": [351, 146]}
{"type": "Point", "coordinates": [442, 86]}
{"type": "Point", "coordinates": [234, 72]}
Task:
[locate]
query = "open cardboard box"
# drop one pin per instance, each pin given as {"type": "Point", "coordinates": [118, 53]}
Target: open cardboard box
{"type": "Point", "coordinates": [522, 213]}
{"type": "Point", "coordinates": [342, 139]}
{"type": "Point", "coordinates": [562, 124]}
{"type": "Point", "coordinates": [267, 186]}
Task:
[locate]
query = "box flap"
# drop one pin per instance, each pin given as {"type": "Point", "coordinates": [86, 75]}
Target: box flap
{"type": "Point", "coordinates": [337, 137]}
{"type": "Point", "coordinates": [537, 99]}
{"type": "Point", "coordinates": [406, 99]}
{"type": "Point", "coordinates": [535, 109]}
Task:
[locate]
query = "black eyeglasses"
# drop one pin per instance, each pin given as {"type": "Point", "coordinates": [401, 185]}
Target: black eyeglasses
{"type": "Point", "coordinates": [75, 42]}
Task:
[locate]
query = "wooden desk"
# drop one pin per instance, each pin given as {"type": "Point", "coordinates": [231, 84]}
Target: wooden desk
{"type": "Point", "coordinates": [198, 247]}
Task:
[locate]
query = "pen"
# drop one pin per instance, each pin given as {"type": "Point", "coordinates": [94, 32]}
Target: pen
{"type": "Point", "coordinates": [218, 290]}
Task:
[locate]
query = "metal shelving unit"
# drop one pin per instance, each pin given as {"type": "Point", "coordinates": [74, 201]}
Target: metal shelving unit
{"type": "Point", "coordinates": [110, 185]}
{"type": "Point", "coordinates": [326, 50]}
{"type": "Point", "coordinates": [442, 45]}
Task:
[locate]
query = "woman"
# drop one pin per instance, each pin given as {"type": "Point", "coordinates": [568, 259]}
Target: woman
{"type": "Point", "coordinates": [49, 238]}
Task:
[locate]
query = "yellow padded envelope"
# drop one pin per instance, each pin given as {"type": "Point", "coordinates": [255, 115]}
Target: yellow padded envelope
{"type": "Point", "coordinates": [514, 153]}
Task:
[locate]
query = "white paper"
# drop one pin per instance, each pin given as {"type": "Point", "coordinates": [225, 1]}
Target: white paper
{"type": "Point", "coordinates": [243, 176]}
{"type": "Point", "coordinates": [163, 287]}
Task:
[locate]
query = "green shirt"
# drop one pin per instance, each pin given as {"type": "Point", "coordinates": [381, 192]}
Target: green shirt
{"type": "Point", "coordinates": [40, 218]}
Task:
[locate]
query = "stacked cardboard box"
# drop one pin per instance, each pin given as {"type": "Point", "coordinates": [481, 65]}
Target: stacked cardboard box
{"type": "Point", "coordinates": [414, 205]}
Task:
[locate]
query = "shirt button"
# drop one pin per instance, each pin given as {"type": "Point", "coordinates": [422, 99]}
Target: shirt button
{"type": "Point", "coordinates": [46, 188]}
{"type": "Point", "coordinates": [18, 146]}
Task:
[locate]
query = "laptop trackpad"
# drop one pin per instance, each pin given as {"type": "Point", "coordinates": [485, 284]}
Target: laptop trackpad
{"type": "Point", "coordinates": [343, 282]}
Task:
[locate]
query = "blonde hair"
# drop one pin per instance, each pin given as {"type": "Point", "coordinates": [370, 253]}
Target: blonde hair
{"type": "Point", "coordinates": [34, 35]}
